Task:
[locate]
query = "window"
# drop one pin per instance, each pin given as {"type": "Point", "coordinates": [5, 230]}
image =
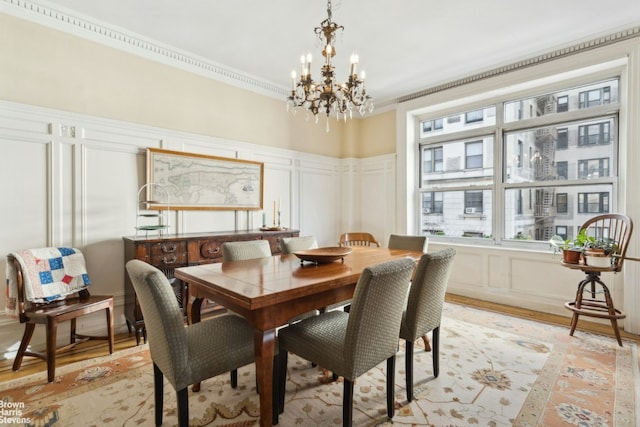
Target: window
{"type": "Point", "coordinates": [473, 116]}
{"type": "Point", "coordinates": [562, 170]}
{"type": "Point", "coordinates": [593, 202]}
{"type": "Point", "coordinates": [432, 202]}
{"type": "Point", "coordinates": [593, 168]}
{"type": "Point", "coordinates": [562, 206]}
{"type": "Point", "coordinates": [431, 125]}
{"type": "Point", "coordinates": [472, 202]}
{"type": "Point", "coordinates": [563, 104]}
{"type": "Point", "coordinates": [595, 97]}
{"type": "Point", "coordinates": [432, 160]}
{"type": "Point", "coordinates": [561, 230]}
{"type": "Point", "coordinates": [473, 155]}
{"type": "Point", "coordinates": [562, 141]}
{"type": "Point", "coordinates": [551, 150]}
{"type": "Point", "coordinates": [597, 133]}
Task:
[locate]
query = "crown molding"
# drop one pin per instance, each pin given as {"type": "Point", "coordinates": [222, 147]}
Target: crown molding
{"type": "Point", "coordinates": [50, 16]}
{"type": "Point", "coordinates": [547, 57]}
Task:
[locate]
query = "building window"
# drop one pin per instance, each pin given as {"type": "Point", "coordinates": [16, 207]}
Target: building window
{"type": "Point", "coordinates": [562, 170]}
{"type": "Point", "coordinates": [432, 202]}
{"type": "Point", "coordinates": [562, 141]}
{"type": "Point", "coordinates": [592, 134]}
{"type": "Point", "coordinates": [432, 160]}
{"type": "Point", "coordinates": [472, 202]}
{"type": "Point", "coordinates": [563, 104]}
{"type": "Point", "coordinates": [595, 97]}
{"type": "Point", "coordinates": [562, 205]}
{"type": "Point", "coordinates": [473, 155]}
{"type": "Point", "coordinates": [593, 168]}
{"type": "Point", "coordinates": [561, 230]}
{"type": "Point", "coordinates": [473, 116]}
{"type": "Point", "coordinates": [548, 158]}
{"type": "Point", "coordinates": [593, 202]}
{"type": "Point", "coordinates": [431, 125]}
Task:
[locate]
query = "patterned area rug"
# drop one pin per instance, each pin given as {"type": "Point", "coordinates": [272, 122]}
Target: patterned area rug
{"type": "Point", "coordinates": [495, 370]}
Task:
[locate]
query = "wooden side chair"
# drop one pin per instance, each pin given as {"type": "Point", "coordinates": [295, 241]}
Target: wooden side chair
{"type": "Point", "coordinates": [350, 344]}
{"type": "Point", "coordinates": [68, 299]}
{"type": "Point", "coordinates": [358, 239]}
{"type": "Point", "coordinates": [615, 229]}
{"type": "Point", "coordinates": [423, 312]}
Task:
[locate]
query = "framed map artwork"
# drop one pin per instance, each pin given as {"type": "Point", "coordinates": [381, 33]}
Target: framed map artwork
{"type": "Point", "coordinates": [197, 181]}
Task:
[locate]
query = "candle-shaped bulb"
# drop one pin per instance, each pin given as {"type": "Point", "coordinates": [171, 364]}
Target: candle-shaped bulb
{"type": "Point", "coordinates": [293, 80]}
{"type": "Point", "coordinates": [363, 75]}
{"type": "Point", "coordinates": [327, 52]}
{"type": "Point", "coordinates": [309, 58]}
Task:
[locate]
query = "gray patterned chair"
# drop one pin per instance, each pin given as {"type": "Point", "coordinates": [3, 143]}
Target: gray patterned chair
{"type": "Point", "coordinates": [251, 249]}
{"type": "Point", "coordinates": [291, 244]}
{"type": "Point", "coordinates": [350, 344]}
{"type": "Point", "coordinates": [185, 354]}
{"type": "Point", "coordinates": [410, 243]}
{"type": "Point", "coordinates": [424, 307]}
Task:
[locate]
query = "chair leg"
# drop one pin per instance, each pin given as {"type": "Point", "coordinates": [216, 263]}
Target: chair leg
{"type": "Point", "coordinates": [282, 380]}
{"type": "Point", "coordinates": [110, 335]}
{"type": "Point", "coordinates": [183, 407]}
{"type": "Point", "coordinates": [347, 404]}
{"type": "Point", "coordinates": [158, 391]}
{"type": "Point", "coordinates": [24, 344]}
{"type": "Point", "coordinates": [408, 364]}
{"type": "Point", "coordinates": [275, 398]}
{"type": "Point", "coordinates": [234, 378]}
{"type": "Point", "coordinates": [391, 373]}
{"type": "Point", "coordinates": [425, 339]}
{"type": "Point", "coordinates": [72, 330]}
{"type": "Point", "coordinates": [52, 330]}
{"type": "Point", "coordinates": [435, 335]}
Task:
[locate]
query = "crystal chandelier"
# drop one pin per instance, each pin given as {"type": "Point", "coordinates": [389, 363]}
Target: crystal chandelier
{"type": "Point", "coordinates": [329, 96]}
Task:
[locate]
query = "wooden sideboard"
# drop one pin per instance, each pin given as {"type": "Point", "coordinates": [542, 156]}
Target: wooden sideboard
{"type": "Point", "coordinates": [170, 251]}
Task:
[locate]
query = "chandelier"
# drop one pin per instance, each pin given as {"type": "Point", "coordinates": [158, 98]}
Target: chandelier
{"type": "Point", "coordinates": [327, 95]}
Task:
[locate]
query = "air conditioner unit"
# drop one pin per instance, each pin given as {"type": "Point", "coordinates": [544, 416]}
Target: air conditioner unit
{"type": "Point", "coordinates": [469, 210]}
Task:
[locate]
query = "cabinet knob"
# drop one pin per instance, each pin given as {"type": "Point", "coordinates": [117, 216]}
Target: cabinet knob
{"type": "Point", "coordinates": [214, 251]}
{"type": "Point", "coordinates": [169, 261]}
{"type": "Point", "coordinates": [168, 248]}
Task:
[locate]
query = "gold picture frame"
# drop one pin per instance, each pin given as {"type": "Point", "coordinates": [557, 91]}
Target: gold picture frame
{"type": "Point", "coordinates": [201, 182]}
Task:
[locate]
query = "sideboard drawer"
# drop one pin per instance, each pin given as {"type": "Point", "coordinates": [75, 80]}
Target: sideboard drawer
{"type": "Point", "coordinates": [169, 253]}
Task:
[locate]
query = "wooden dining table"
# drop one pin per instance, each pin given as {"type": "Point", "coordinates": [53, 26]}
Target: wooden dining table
{"type": "Point", "coordinates": [270, 291]}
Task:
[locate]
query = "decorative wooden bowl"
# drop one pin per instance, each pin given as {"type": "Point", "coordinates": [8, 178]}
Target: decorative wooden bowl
{"type": "Point", "coordinates": [323, 255]}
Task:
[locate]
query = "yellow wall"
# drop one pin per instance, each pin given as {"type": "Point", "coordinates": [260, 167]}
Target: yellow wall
{"type": "Point", "coordinates": [44, 67]}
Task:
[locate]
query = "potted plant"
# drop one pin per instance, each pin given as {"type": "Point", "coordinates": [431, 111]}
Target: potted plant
{"type": "Point", "coordinates": [599, 252]}
{"type": "Point", "coordinates": [571, 250]}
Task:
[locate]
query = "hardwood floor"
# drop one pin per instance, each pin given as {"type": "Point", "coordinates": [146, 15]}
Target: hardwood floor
{"type": "Point", "coordinates": [91, 349]}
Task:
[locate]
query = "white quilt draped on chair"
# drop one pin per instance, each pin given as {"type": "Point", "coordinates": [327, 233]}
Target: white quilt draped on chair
{"type": "Point", "coordinates": [50, 274]}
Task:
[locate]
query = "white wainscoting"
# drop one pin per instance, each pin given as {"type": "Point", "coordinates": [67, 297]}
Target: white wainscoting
{"type": "Point", "coordinates": [73, 180]}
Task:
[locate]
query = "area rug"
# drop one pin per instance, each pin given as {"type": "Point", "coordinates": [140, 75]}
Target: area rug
{"type": "Point", "coordinates": [495, 370]}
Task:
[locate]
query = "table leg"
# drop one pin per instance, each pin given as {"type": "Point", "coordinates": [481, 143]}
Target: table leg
{"type": "Point", "coordinates": [264, 342]}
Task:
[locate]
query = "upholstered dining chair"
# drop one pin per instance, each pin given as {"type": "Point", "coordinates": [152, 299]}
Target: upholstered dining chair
{"type": "Point", "coordinates": [423, 312]}
{"type": "Point", "coordinates": [291, 244]}
{"type": "Point", "coordinates": [250, 249]}
{"type": "Point", "coordinates": [48, 286]}
{"type": "Point", "coordinates": [186, 355]}
{"type": "Point", "coordinates": [358, 239]}
{"type": "Point", "coordinates": [411, 243]}
{"type": "Point", "coordinates": [350, 344]}
{"type": "Point", "coordinates": [407, 242]}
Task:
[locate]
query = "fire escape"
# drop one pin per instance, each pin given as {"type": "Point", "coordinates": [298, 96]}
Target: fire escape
{"type": "Point", "coordinates": [544, 170]}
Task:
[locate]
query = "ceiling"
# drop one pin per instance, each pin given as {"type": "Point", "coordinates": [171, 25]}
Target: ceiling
{"type": "Point", "coordinates": [404, 45]}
